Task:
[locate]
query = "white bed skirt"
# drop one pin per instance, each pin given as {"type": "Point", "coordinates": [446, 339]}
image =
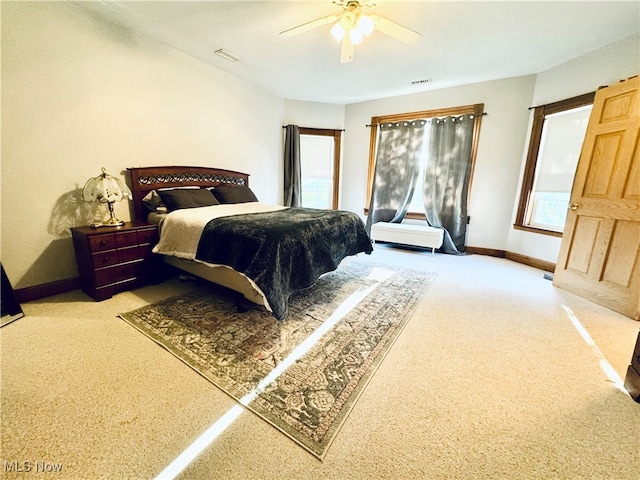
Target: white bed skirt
{"type": "Point", "coordinates": [222, 275]}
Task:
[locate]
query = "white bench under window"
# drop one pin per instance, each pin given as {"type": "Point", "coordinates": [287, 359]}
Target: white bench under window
{"type": "Point", "coordinates": [408, 234]}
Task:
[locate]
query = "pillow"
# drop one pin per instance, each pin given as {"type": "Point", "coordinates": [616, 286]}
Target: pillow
{"type": "Point", "coordinates": [234, 194]}
{"type": "Point", "coordinates": [153, 202]}
{"type": "Point", "coordinates": [187, 198]}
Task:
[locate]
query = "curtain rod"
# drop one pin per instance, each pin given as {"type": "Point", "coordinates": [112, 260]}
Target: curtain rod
{"type": "Point", "coordinates": [569, 103]}
{"type": "Point", "coordinates": [335, 129]}
{"type": "Point", "coordinates": [474, 114]}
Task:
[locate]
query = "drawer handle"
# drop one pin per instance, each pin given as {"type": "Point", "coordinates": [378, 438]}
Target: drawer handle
{"type": "Point", "coordinates": [103, 242]}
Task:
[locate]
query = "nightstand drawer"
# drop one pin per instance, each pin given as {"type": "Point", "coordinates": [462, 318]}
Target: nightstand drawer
{"type": "Point", "coordinates": [118, 273]}
{"type": "Point", "coordinates": [102, 293]}
{"type": "Point", "coordinates": [147, 236]}
{"type": "Point", "coordinates": [126, 239]}
{"type": "Point", "coordinates": [129, 254]}
{"type": "Point", "coordinates": [98, 243]}
{"type": "Point", "coordinates": [105, 258]}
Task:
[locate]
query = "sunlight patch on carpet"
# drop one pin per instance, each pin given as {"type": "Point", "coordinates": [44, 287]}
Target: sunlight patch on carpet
{"type": "Point", "coordinates": [606, 367]}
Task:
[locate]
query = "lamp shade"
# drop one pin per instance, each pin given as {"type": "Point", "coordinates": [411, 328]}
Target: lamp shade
{"type": "Point", "coordinates": [105, 189]}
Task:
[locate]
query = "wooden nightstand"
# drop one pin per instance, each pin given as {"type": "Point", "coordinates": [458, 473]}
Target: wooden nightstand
{"type": "Point", "coordinates": [114, 259]}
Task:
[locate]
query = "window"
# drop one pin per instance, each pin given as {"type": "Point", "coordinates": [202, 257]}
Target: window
{"type": "Point", "coordinates": [416, 207]}
{"type": "Point", "coordinates": [426, 154]}
{"type": "Point", "coordinates": [320, 166]}
{"type": "Point", "coordinates": [557, 134]}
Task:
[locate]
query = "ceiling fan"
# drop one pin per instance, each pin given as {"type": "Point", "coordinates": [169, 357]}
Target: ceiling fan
{"type": "Point", "coordinates": [351, 26]}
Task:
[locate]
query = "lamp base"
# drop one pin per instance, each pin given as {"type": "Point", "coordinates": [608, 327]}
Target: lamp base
{"type": "Point", "coordinates": [112, 222]}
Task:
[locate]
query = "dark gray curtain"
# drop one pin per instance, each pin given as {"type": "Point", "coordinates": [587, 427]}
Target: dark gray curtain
{"type": "Point", "coordinates": [398, 158]}
{"type": "Point", "coordinates": [446, 181]}
{"type": "Point", "coordinates": [292, 169]}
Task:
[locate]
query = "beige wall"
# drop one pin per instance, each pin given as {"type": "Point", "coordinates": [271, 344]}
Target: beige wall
{"type": "Point", "coordinates": [79, 93]}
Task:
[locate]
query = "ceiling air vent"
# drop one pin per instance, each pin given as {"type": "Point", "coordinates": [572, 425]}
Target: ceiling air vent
{"type": "Point", "coordinates": [226, 55]}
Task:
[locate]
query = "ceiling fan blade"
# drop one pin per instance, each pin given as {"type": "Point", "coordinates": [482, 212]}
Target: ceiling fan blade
{"type": "Point", "coordinates": [346, 49]}
{"type": "Point", "coordinates": [395, 30]}
{"type": "Point", "coordinates": [308, 26]}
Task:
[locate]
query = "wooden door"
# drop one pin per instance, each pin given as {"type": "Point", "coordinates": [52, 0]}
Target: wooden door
{"type": "Point", "coordinates": [600, 253]}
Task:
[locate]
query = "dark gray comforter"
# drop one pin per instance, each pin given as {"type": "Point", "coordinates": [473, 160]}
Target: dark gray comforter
{"type": "Point", "coordinates": [285, 250]}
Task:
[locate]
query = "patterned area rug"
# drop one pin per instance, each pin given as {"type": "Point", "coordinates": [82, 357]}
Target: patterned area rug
{"type": "Point", "coordinates": [304, 374]}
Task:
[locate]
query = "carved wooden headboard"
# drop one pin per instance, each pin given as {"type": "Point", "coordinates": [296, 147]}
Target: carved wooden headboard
{"type": "Point", "coordinates": [145, 179]}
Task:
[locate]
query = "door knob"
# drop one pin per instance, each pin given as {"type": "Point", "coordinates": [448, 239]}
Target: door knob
{"type": "Point", "coordinates": [573, 206]}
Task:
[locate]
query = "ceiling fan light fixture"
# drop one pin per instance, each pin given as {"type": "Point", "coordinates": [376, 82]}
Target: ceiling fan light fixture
{"type": "Point", "coordinates": [356, 36]}
{"type": "Point", "coordinates": [357, 26]}
{"type": "Point", "coordinates": [337, 32]}
{"type": "Point", "coordinates": [365, 25]}
{"type": "Point", "coordinates": [351, 26]}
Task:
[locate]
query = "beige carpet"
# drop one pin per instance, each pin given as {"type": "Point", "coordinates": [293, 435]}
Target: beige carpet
{"type": "Point", "coordinates": [305, 373]}
{"type": "Point", "coordinates": [489, 380]}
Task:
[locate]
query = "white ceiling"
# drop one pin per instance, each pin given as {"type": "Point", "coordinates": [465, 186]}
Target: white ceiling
{"type": "Point", "coordinates": [462, 41]}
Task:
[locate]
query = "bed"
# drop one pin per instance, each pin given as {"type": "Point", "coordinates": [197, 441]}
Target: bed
{"type": "Point", "coordinates": [263, 252]}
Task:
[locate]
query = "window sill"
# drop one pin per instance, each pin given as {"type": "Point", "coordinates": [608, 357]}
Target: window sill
{"type": "Point", "coordinates": [540, 231]}
{"type": "Point", "coordinates": [410, 215]}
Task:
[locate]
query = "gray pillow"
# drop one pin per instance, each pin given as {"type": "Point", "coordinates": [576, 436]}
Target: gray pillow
{"type": "Point", "coordinates": [187, 198]}
{"type": "Point", "coordinates": [234, 194]}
